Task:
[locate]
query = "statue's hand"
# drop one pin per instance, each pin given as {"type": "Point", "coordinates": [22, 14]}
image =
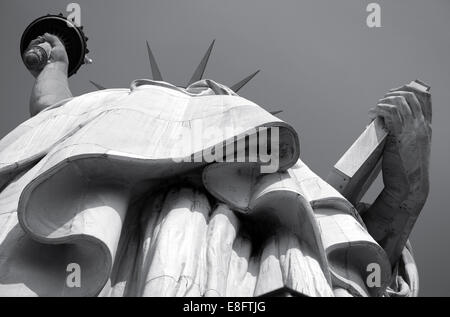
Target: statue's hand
{"type": "Point", "coordinates": [58, 56]}
{"type": "Point", "coordinates": [406, 112]}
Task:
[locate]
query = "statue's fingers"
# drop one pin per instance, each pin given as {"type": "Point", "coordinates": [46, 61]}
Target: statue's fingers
{"type": "Point", "coordinates": [402, 106]}
{"type": "Point", "coordinates": [424, 101]}
{"type": "Point", "coordinates": [52, 39]}
{"type": "Point", "coordinates": [37, 41]}
{"type": "Point", "coordinates": [391, 117]}
{"type": "Point", "coordinates": [412, 100]}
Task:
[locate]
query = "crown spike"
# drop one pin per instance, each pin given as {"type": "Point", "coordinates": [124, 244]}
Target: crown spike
{"type": "Point", "coordinates": [154, 66]}
{"type": "Point", "coordinates": [200, 71]}
{"type": "Point", "coordinates": [98, 86]}
{"type": "Point", "coordinates": [244, 82]}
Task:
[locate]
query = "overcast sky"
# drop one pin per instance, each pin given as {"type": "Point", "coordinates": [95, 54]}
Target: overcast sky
{"type": "Point", "coordinates": [320, 63]}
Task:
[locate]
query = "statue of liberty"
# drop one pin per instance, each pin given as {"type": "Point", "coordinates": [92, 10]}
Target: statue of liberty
{"type": "Point", "coordinates": [153, 190]}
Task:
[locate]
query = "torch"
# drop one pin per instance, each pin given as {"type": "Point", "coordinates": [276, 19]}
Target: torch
{"type": "Point", "coordinates": [72, 36]}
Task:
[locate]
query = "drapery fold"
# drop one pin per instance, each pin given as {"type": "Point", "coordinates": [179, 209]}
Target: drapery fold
{"type": "Point", "coordinates": [73, 177]}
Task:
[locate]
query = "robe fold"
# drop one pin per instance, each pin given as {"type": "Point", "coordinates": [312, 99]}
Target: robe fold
{"type": "Point", "coordinates": [116, 183]}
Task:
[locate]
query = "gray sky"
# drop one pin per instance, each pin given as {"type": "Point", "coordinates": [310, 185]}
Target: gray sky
{"type": "Point", "coordinates": [320, 63]}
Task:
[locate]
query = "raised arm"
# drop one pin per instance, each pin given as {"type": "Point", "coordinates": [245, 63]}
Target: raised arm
{"type": "Point", "coordinates": [51, 85]}
{"type": "Point", "coordinates": [406, 113]}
